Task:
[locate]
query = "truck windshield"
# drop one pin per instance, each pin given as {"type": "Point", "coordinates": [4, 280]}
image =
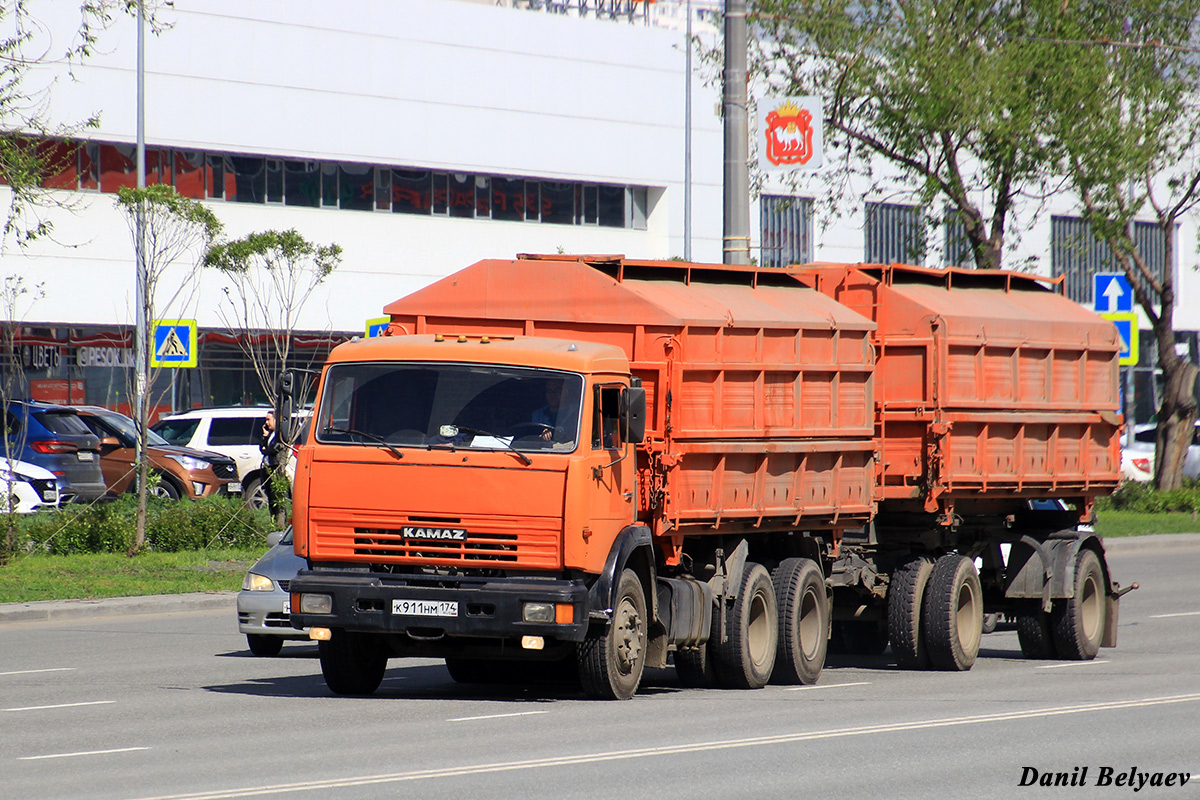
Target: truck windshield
{"type": "Point", "coordinates": [481, 407]}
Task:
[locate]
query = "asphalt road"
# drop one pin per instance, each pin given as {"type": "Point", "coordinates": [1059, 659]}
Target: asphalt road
{"type": "Point", "coordinates": [172, 705]}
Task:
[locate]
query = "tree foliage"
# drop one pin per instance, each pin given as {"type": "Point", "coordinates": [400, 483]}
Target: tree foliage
{"type": "Point", "coordinates": [272, 275]}
{"type": "Point", "coordinates": [1125, 118]}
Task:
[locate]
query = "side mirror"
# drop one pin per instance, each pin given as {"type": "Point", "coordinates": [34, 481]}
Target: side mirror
{"type": "Point", "coordinates": [110, 441]}
{"type": "Point", "coordinates": [285, 405]}
{"type": "Point", "coordinates": [633, 414]}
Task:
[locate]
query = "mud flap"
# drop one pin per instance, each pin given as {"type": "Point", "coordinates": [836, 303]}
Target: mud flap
{"type": "Point", "coordinates": [1112, 605]}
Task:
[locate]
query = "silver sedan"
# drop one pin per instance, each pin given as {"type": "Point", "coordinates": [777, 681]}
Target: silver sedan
{"type": "Point", "coordinates": [263, 604]}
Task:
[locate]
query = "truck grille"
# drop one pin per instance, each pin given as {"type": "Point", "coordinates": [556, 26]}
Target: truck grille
{"type": "Point", "coordinates": [526, 543]}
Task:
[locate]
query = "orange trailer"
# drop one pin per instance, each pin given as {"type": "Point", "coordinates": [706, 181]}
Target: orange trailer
{"type": "Point", "coordinates": [614, 463]}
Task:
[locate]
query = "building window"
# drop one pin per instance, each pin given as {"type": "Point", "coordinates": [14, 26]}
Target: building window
{"type": "Point", "coordinates": [241, 178]}
{"type": "Point", "coordinates": [957, 251]}
{"type": "Point", "coordinates": [785, 231]}
{"type": "Point", "coordinates": [894, 234]}
{"type": "Point", "coordinates": [1076, 253]}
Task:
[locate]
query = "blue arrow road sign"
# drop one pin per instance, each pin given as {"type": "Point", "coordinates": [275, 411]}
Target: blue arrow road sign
{"type": "Point", "coordinates": [1111, 292]}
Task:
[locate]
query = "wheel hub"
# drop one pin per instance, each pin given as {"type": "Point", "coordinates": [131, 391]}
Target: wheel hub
{"type": "Point", "coordinates": [627, 636]}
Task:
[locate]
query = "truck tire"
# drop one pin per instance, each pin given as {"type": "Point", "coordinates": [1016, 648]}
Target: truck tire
{"type": "Point", "coordinates": [1033, 631]}
{"type": "Point", "coordinates": [905, 601]}
{"type": "Point", "coordinates": [953, 612]}
{"type": "Point", "coordinates": [859, 637]}
{"type": "Point", "coordinates": [352, 663]}
{"type": "Point", "coordinates": [264, 645]}
{"type": "Point", "coordinates": [803, 608]}
{"type": "Point", "coordinates": [694, 667]}
{"type": "Point", "coordinates": [612, 659]}
{"type": "Point", "coordinates": [1077, 623]}
{"type": "Point", "coordinates": [747, 656]}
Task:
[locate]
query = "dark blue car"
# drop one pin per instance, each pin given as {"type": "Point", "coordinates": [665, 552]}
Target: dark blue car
{"type": "Point", "coordinates": [54, 437]}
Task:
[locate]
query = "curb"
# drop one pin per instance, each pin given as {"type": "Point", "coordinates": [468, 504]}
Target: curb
{"type": "Point", "coordinates": [48, 610]}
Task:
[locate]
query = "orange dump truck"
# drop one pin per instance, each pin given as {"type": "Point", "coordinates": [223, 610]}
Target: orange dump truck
{"type": "Point", "coordinates": [607, 464]}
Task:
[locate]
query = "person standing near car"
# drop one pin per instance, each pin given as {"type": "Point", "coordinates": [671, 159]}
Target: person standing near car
{"type": "Point", "coordinates": [272, 450]}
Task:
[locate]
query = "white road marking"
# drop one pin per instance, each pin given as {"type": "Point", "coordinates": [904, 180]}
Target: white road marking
{"type": "Point", "coordinates": [63, 705]}
{"type": "Point", "coordinates": [83, 753]}
{"type": "Point", "coordinates": [498, 716]}
{"type": "Point", "coordinates": [826, 686]}
{"type": "Point", "coordinates": [1179, 614]}
{"type": "Point", "coordinates": [1093, 662]}
{"type": "Point", "coordinates": [697, 747]}
{"type": "Point", "coordinates": [34, 671]}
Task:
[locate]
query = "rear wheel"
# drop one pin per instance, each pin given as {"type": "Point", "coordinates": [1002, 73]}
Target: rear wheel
{"type": "Point", "coordinates": [803, 608]}
{"type": "Point", "coordinates": [263, 645]}
{"type": "Point", "coordinates": [352, 663]}
{"type": "Point", "coordinates": [747, 656]}
{"type": "Point", "coordinates": [1033, 631]}
{"type": "Point", "coordinates": [694, 667]}
{"type": "Point", "coordinates": [1077, 623]}
{"type": "Point", "coordinates": [611, 660]}
{"type": "Point", "coordinates": [905, 599]}
{"type": "Point", "coordinates": [953, 611]}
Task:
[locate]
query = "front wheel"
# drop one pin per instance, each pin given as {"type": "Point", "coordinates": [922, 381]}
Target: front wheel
{"type": "Point", "coordinates": [254, 494]}
{"type": "Point", "coordinates": [352, 663]}
{"type": "Point", "coordinates": [165, 490]}
{"type": "Point", "coordinates": [263, 645]}
{"type": "Point", "coordinates": [612, 659]}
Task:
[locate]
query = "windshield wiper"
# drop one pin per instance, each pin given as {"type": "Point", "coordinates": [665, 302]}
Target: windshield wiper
{"type": "Point", "coordinates": [371, 436]}
{"type": "Point", "coordinates": [476, 432]}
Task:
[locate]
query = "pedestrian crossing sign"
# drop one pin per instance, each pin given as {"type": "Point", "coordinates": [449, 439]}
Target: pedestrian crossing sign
{"type": "Point", "coordinates": [173, 343]}
{"type": "Point", "coordinates": [376, 326]}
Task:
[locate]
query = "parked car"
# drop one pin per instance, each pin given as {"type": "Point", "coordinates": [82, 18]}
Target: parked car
{"type": "Point", "coordinates": [263, 604]}
{"type": "Point", "coordinates": [54, 438]}
{"type": "Point", "coordinates": [182, 471]}
{"type": "Point", "coordinates": [235, 432]}
{"type": "Point", "coordinates": [1137, 458]}
{"type": "Point", "coordinates": [28, 487]}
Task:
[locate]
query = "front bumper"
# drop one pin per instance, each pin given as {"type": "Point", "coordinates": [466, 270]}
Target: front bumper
{"type": "Point", "coordinates": [488, 608]}
{"type": "Point", "coordinates": [266, 613]}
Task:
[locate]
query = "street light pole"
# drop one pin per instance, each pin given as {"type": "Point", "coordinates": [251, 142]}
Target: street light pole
{"type": "Point", "coordinates": [736, 239]}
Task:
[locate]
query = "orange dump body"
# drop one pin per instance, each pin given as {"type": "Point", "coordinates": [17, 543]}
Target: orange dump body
{"type": "Point", "coordinates": [759, 389]}
{"type": "Point", "coordinates": [989, 385]}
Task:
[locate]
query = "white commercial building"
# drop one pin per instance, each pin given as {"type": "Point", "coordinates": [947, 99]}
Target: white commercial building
{"type": "Point", "coordinates": [420, 136]}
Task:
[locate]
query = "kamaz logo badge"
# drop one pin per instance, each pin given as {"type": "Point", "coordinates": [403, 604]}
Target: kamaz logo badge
{"type": "Point", "coordinates": [448, 534]}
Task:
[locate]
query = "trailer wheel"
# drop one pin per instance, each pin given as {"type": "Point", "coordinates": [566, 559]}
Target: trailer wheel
{"type": "Point", "coordinates": [905, 600]}
{"type": "Point", "coordinates": [1033, 631]}
{"type": "Point", "coordinates": [953, 612]}
{"type": "Point", "coordinates": [352, 663]}
{"type": "Point", "coordinates": [803, 609]}
{"type": "Point", "coordinates": [747, 656]}
{"type": "Point", "coordinates": [611, 660]}
{"type": "Point", "coordinates": [1077, 623]}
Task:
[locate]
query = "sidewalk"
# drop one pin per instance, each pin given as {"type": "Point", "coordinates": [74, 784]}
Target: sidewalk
{"type": "Point", "coordinates": [116, 606]}
{"type": "Point", "coordinates": [209, 601]}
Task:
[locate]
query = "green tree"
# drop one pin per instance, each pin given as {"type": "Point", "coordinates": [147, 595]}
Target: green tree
{"type": "Point", "coordinates": [171, 229]}
{"type": "Point", "coordinates": [946, 92]}
{"type": "Point", "coordinates": [1124, 113]}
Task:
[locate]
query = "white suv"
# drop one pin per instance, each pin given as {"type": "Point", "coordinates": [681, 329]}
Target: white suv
{"type": "Point", "coordinates": [234, 431]}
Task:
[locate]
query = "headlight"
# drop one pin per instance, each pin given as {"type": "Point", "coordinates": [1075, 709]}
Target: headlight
{"type": "Point", "coordinates": [190, 462]}
{"type": "Point", "coordinates": [258, 583]}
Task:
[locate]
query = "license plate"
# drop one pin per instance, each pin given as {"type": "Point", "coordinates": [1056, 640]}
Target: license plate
{"type": "Point", "coordinates": [50, 496]}
{"type": "Point", "coordinates": [425, 608]}
{"type": "Point", "coordinates": [287, 606]}
{"type": "Point", "coordinates": [87, 455]}
{"type": "Point", "coordinates": [233, 487]}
